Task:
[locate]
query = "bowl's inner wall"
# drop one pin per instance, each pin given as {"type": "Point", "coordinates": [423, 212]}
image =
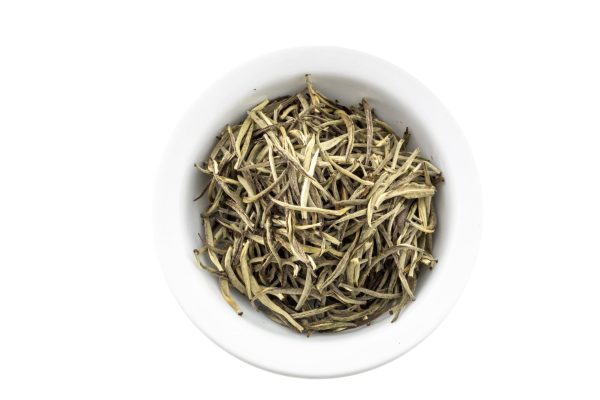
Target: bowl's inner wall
{"type": "Point", "coordinates": [390, 107]}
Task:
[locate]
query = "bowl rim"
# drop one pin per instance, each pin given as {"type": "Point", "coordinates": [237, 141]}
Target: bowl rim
{"type": "Point", "coordinates": [165, 247]}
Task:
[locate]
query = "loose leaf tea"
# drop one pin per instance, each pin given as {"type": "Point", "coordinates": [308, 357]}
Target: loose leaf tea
{"type": "Point", "coordinates": [317, 213]}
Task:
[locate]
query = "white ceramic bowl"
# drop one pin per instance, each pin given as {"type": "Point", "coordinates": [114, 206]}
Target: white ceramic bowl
{"type": "Point", "coordinates": [397, 98]}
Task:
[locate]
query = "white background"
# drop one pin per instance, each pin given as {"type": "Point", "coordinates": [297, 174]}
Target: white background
{"type": "Point", "coordinates": [89, 93]}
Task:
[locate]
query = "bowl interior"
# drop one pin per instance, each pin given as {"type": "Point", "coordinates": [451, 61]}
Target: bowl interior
{"type": "Point", "coordinates": [347, 76]}
{"type": "Point", "coordinates": [389, 107]}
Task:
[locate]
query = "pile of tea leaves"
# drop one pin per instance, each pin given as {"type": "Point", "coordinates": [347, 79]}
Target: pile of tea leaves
{"type": "Point", "coordinates": [317, 213]}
